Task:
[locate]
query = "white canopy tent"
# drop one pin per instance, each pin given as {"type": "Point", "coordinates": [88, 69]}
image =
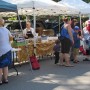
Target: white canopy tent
{"type": "Point", "coordinates": [80, 5]}
{"type": "Point", "coordinates": [47, 7]}
{"type": "Point", "coordinates": [40, 6]}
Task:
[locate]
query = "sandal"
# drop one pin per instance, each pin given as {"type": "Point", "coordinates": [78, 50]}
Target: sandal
{"type": "Point", "coordinates": [62, 64]}
{"type": "Point", "coordinates": [69, 66]}
{"type": "Point", "coordinates": [5, 81]}
{"type": "Point", "coordinates": [75, 61]}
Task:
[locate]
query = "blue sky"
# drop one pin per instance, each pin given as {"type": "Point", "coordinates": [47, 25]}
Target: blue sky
{"type": "Point", "coordinates": [14, 1]}
{"type": "Point", "coordinates": [7, 0]}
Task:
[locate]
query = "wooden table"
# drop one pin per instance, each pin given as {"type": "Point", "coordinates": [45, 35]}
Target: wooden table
{"type": "Point", "coordinates": [42, 48]}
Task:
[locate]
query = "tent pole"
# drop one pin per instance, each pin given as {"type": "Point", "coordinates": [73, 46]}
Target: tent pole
{"type": "Point", "coordinates": [26, 18]}
{"type": "Point", "coordinates": [34, 18]}
{"type": "Point", "coordinates": [80, 21]}
{"type": "Point", "coordinates": [89, 16]}
{"type": "Point", "coordinates": [59, 25]}
{"type": "Point", "coordinates": [19, 21]}
{"type": "Point", "coordinates": [24, 41]}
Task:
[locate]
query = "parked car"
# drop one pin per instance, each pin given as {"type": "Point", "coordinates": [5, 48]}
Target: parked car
{"type": "Point", "coordinates": [16, 25]}
{"type": "Point", "coordinates": [39, 25]}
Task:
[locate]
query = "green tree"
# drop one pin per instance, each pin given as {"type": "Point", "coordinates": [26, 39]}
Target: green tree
{"type": "Point", "coordinates": [56, 0]}
{"type": "Point", "coordinates": [86, 1]}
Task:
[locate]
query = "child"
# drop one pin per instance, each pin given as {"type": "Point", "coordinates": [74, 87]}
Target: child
{"type": "Point", "coordinates": [76, 45]}
{"type": "Point", "coordinates": [57, 50]}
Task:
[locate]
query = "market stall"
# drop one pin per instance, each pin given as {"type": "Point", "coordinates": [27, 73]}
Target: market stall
{"type": "Point", "coordinates": [43, 47]}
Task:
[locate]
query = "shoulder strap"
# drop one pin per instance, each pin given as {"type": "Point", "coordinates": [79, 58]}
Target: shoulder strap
{"type": "Point", "coordinates": [61, 28]}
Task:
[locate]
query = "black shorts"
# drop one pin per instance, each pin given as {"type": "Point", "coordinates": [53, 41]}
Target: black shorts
{"type": "Point", "coordinates": [65, 45]}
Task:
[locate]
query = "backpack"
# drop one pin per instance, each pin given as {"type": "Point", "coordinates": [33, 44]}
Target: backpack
{"type": "Point", "coordinates": [34, 63]}
{"type": "Point", "coordinates": [61, 37]}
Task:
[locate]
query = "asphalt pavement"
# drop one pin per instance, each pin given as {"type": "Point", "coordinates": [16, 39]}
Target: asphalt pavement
{"type": "Point", "coordinates": [50, 77]}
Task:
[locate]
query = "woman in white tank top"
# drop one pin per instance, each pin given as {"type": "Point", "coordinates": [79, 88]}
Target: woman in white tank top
{"type": "Point", "coordinates": [5, 52]}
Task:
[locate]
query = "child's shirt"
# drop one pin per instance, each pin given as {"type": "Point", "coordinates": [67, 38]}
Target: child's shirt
{"type": "Point", "coordinates": [56, 48]}
{"type": "Point", "coordinates": [76, 40]}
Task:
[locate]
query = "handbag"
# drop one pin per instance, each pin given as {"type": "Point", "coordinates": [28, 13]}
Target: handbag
{"type": "Point", "coordinates": [82, 50]}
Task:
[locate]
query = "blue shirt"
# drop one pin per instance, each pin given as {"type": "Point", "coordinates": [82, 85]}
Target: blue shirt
{"type": "Point", "coordinates": [76, 40]}
{"type": "Point", "coordinates": [64, 33]}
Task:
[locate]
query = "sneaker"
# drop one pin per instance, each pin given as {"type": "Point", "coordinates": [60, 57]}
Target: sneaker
{"type": "Point", "coordinates": [71, 59]}
{"type": "Point", "coordinates": [86, 59]}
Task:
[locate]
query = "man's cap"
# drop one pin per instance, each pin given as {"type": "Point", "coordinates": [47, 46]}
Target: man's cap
{"type": "Point", "coordinates": [76, 28]}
